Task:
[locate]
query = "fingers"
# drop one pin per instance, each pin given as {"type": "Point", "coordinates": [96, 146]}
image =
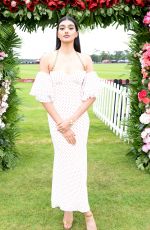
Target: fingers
{"type": "Point", "coordinates": [63, 127]}
{"type": "Point", "coordinates": [71, 140]}
{"type": "Point", "coordinates": [70, 137]}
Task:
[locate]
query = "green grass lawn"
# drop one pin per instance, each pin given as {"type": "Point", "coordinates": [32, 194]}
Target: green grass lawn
{"type": "Point", "coordinates": [107, 71]}
{"type": "Point", "coordinates": [119, 193]}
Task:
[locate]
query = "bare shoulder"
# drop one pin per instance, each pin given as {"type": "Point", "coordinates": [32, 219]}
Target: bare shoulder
{"type": "Point", "coordinates": [88, 62]}
{"type": "Point", "coordinates": [46, 61]}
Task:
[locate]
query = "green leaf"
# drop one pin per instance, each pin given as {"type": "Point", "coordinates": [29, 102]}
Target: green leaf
{"type": "Point", "coordinates": [6, 13]}
{"type": "Point", "coordinates": [50, 13]}
{"type": "Point", "coordinates": [2, 154]}
{"type": "Point", "coordinates": [29, 15]}
{"type": "Point", "coordinates": [109, 11]}
{"type": "Point", "coordinates": [126, 8]}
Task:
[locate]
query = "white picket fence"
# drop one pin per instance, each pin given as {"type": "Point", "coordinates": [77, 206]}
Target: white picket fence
{"type": "Point", "coordinates": [112, 107]}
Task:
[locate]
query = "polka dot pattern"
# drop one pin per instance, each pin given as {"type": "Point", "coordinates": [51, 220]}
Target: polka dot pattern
{"type": "Point", "coordinates": [69, 179]}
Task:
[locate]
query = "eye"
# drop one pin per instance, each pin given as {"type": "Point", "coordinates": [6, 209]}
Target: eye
{"type": "Point", "coordinates": [61, 28]}
{"type": "Point", "coordinates": [71, 28]}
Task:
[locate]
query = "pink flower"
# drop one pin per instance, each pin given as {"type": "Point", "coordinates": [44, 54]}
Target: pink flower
{"type": "Point", "coordinates": [145, 73]}
{"type": "Point", "coordinates": [27, 1]}
{"type": "Point", "coordinates": [146, 148]}
{"type": "Point", "coordinates": [146, 19]}
{"type": "Point", "coordinates": [3, 55]}
{"type": "Point", "coordinates": [147, 139]}
{"type": "Point", "coordinates": [13, 4]}
{"type": "Point", "coordinates": [146, 46]}
{"type": "Point", "coordinates": [146, 57]}
{"type": "Point", "coordinates": [143, 134]}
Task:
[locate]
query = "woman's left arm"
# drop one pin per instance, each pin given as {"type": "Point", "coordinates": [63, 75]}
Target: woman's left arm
{"type": "Point", "coordinates": [83, 107]}
{"type": "Point", "coordinates": [65, 125]}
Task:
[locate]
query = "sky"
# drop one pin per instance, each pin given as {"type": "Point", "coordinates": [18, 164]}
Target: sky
{"type": "Point", "coordinates": [34, 45]}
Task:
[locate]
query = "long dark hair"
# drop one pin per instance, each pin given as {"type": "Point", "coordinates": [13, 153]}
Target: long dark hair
{"type": "Point", "coordinates": [76, 40]}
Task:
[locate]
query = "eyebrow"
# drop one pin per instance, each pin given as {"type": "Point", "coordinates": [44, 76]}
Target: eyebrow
{"type": "Point", "coordinates": [64, 25]}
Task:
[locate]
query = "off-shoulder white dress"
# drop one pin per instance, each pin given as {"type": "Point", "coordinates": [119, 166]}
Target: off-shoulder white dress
{"type": "Point", "coordinates": [66, 92]}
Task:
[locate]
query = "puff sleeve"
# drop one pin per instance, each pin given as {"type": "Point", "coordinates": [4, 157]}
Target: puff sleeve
{"type": "Point", "coordinates": [42, 87]}
{"type": "Point", "coordinates": [91, 85]}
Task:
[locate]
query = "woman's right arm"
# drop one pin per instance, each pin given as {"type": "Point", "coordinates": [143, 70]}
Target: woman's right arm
{"type": "Point", "coordinates": [49, 105]}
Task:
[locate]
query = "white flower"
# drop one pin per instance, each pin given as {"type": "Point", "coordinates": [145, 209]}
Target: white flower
{"type": "Point", "coordinates": [4, 104]}
{"type": "Point", "coordinates": [2, 110]}
{"type": "Point", "coordinates": [27, 1]}
{"type": "Point", "coordinates": [5, 97]}
{"type": "Point", "coordinates": [145, 118]}
{"type": "Point", "coordinates": [1, 76]}
{"type": "Point", "coordinates": [143, 134]}
{"type": "Point", "coordinates": [2, 125]}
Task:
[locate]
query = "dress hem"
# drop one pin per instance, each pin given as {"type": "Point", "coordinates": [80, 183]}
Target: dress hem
{"type": "Point", "coordinates": [70, 210]}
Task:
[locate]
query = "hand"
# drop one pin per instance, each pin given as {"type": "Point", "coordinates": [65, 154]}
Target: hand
{"type": "Point", "coordinates": [70, 136]}
{"type": "Point", "coordinates": [64, 126]}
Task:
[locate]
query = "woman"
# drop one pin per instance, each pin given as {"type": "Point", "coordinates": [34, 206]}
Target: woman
{"type": "Point", "coordinates": [66, 86]}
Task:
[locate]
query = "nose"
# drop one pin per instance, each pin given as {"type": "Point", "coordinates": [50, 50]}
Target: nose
{"type": "Point", "coordinates": [66, 30]}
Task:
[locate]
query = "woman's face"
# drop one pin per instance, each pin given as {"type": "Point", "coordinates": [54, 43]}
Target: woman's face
{"type": "Point", "coordinates": [67, 31]}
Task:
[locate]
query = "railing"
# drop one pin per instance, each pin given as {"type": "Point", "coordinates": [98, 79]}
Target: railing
{"type": "Point", "coordinates": [112, 106]}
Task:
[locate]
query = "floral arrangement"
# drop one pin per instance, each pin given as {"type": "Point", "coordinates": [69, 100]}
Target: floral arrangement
{"type": "Point", "coordinates": [30, 14]}
{"type": "Point", "coordinates": [4, 92]}
{"type": "Point", "coordinates": [15, 5]}
{"type": "Point", "coordinates": [146, 19]}
{"type": "Point", "coordinates": [144, 97]}
{"type": "Point", "coordinates": [146, 139]}
{"type": "Point", "coordinates": [5, 88]}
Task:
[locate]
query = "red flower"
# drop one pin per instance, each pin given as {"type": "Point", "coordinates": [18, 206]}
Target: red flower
{"type": "Point", "coordinates": [139, 2]}
{"type": "Point", "coordinates": [61, 4]}
{"type": "Point", "coordinates": [110, 3]}
{"type": "Point", "coordinates": [102, 3]}
{"type": "Point", "coordinates": [147, 2]}
{"type": "Point", "coordinates": [30, 6]}
{"type": "Point", "coordinates": [142, 94]}
{"type": "Point", "coordinates": [35, 2]}
{"type": "Point", "coordinates": [13, 9]}
{"type": "Point", "coordinates": [21, 2]}
{"type": "Point", "coordinates": [7, 2]}
{"type": "Point", "coordinates": [136, 2]}
{"type": "Point", "coordinates": [92, 5]}
{"type": "Point", "coordinates": [52, 5]}
{"type": "Point", "coordinates": [79, 4]}
{"type": "Point", "coordinates": [146, 100]}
